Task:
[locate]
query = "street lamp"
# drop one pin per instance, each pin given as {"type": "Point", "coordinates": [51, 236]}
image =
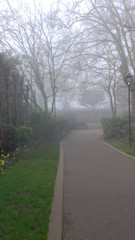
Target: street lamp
{"type": "Point", "coordinates": [128, 81]}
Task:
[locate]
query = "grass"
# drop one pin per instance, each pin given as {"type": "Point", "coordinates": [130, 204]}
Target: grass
{"type": "Point", "coordinates": [123, 146]}
{"type": "Point", "coordinates": [26, 193]}
{"type": "Point", "coordinates": [94, 126]}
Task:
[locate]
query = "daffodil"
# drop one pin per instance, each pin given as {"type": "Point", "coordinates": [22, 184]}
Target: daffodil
{"type": "Point", "coordinates": [2, 162]}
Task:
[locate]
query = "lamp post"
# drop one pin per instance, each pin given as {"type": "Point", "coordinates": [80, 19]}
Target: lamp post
{"type": "Point", "coordinates": [128, 81]}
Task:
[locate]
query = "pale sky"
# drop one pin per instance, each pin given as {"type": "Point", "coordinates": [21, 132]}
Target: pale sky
{"type": "Point", "coordinates": [45, 3]}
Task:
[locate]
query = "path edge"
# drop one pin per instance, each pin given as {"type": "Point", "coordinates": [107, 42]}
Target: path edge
{"type": "Point", "coordinates": [116, 149]}
{"type": "Point", "coordinates": [55, 221]}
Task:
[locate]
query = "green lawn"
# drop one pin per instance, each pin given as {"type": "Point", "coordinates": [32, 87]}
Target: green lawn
{"type": "Point", "coordinates": [26, 193]}
{"type": "Point", "coordinates": [94, 125]}
{"type": "Point", "coordinates": [122, 146]}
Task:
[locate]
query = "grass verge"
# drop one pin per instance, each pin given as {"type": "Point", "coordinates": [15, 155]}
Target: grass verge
{"type": "Point", "coordinates": [122, 146]}
{"type": "Point", "coordinates": [26, 193]}
{"type": "Point", "coordinates": [94, 126]}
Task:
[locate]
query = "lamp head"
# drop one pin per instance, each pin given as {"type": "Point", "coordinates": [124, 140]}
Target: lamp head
{"type": "Point", "coordinates": [128, 79]}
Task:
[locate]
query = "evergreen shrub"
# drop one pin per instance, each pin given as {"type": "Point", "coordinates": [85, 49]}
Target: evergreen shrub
{"type": "Point", "coordinates": [46, 128]}
{"type": "Point", "coordinates": [24, 135]}
{"type": "Point", "coordinates": [118, 128]}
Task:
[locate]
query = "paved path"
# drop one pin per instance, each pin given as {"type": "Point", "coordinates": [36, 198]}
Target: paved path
{"type": "Point", "coordinates": [99, 190]}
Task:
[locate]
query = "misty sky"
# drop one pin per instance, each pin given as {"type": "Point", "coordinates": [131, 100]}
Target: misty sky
{"type": "Point", "coordinates": [46, 3]}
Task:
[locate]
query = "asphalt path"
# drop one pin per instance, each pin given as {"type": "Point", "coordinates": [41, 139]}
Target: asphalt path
{"type": "Point", "coordinates": [99, 190]}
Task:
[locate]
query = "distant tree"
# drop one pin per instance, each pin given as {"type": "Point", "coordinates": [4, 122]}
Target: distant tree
{"type": "Point", "coordinates": [91, 98]}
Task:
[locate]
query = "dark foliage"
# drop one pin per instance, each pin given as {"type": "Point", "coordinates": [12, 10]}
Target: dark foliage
{"type": "Point", "coordinates": [8, 139]}
{"type": "Point", "coordinates": [24, 135]}
{"type": "Point", "coordinates": [12, 92]}
{"type": "Point", "coordinates": [117, 128]}
{"type": "Point", "coordinates": [46, 128]}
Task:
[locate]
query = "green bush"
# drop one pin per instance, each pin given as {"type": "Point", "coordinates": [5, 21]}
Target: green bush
{"type": "Point", "coordinates": [118, 128]}
{"type": "Point", "coordinates": [46, 128]}
{"type": "Point", "coordinates": [41, 126]}
{"type": "Point", "coordinates": [24, 135]}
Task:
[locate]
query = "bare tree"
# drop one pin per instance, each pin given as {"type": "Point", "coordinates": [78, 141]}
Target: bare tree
{"type": "Point", "coordinates": [39, 41]}
{"type": "Point", "coordinates": [104, 23]}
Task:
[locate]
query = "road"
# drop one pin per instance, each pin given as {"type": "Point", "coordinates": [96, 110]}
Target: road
{"type": "Point", "coordinates": [99, 190]}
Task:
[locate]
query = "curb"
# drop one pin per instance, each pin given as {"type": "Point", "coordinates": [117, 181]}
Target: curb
{"type": "Point", "coordinates": [55, 223]}
{"type": "Point", "coordinates": [125, 154]}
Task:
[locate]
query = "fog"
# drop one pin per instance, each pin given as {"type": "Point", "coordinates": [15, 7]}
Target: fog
{"type": "Point", "coordinates": [63, 86]}
{"type": "Point", "coordinates": [69, 53]}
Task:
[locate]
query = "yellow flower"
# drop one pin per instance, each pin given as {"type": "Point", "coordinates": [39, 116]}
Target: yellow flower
{"type": "Point", "coordinates": [2, 162]}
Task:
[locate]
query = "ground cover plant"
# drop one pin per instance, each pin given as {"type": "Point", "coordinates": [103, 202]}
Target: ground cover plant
{"type": "Point", "coordinates": [26, 192]}
{"type": "Point", "coordinates": [124, 147]}
{"type": "Point", "coordinates": [116, 132]}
